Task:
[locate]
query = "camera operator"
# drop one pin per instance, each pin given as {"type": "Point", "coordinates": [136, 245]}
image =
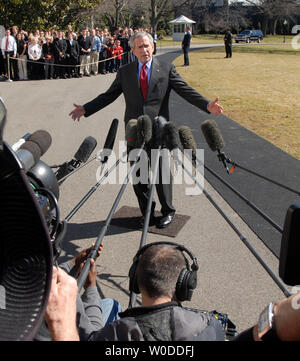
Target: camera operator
{"type": "Point", "coordinates": [161, 316]}
{"type": "Point", "coordinates": [157, 306]}
{"type": "Point", "coordinates": [91, 313]}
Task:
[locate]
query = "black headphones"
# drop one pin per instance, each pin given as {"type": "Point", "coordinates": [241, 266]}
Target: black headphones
{"type": "Point", "coordinates": [187, 279]}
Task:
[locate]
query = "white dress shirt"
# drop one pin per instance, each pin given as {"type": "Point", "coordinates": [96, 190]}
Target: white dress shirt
{"type": "Point", "coordinates": [12, 44]}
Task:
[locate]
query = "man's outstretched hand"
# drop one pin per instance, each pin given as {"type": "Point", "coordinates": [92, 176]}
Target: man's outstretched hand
{"type": "Point", "coordinates": [215, 108]}
{"type": "Point", "coordinates": [77, 113]}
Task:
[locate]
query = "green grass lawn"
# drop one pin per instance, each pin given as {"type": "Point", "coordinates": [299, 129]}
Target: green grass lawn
{"type": "Point", "coordinates": [259, 88]}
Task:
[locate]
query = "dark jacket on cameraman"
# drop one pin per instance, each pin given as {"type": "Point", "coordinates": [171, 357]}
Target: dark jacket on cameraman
{"type": "Point", "coordinates": [166, 322]}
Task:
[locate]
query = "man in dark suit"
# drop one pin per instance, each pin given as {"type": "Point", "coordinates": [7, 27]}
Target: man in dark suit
{"type": "Point", "coordinates": [186, 42]}
{"type": "Point", "coordinates": [228, 43]}
{"type": "Point", "coordinates": [161, 78]}
{"type": "Point", "coordinates": [60, 48]}
{"type": "Point", "coordinates": [72, 55]}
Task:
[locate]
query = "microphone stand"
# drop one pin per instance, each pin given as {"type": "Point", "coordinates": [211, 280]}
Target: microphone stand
{"type": "Point", "coordinates": [93, 189]}
{"type": "Point", "coordinates": [241, 236]}
{"type": "Point", "coordinates": [147, 215]}
{"type": "Point", "coordinates": [93, 254]}
{"type": "Point", "coordinates": [225, 159]}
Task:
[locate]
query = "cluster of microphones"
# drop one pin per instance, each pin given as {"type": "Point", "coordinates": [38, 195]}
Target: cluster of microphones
{"type": "Point", "coordinates": [31, 229]}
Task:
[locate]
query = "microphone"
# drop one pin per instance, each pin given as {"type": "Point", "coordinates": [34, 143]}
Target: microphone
{"type": "Point", "coordinates": [187, 140]}
{"type": "Point", "coordinates": [214, 139]}
{"type": "Point", "coordinates": [131, 133]}
{"type": "Point", "coordinates": [158, 126]}
{"type": "Point", "coordinates": [171, 137]}
{"type": "Point", "coordinates": [20, 142]}
{"type": "Point", "coordinates": [81, 156]}
{"type": "Point", "coordinates": [30, 152]}
{"type": "Point", "coordinates": [109, 142]}
{"type": "Point", "coordinates": [144, 130]}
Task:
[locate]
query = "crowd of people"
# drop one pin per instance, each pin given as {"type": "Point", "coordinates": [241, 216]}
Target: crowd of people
{"type": "Point", "coordinates": [55, 54]}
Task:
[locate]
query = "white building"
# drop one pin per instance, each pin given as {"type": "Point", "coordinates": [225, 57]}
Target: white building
{"type": "Point", "coordinates": [179, 26]}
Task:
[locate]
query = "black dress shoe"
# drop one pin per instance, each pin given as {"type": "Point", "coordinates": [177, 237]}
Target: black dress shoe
{"type": "Point", "coordinates": [166, 220]}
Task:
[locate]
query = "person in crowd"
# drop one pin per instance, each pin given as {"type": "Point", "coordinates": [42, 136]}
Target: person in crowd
{"type": "Point", "coordinates": [72, 55]}
{"type": "Point", "coordinates": [22, 56]}
{"type": "Point", "coordinates": [95, 50]}
{"type": "Point", "coordinates": [9, 53]}
{"type": "Point", "coordinates": [111, 56]}
{"type": "Point", "coordinates": [84, 42]}
{"type": "Point", "coordinates": [118, 54]}
{"type": "Point", "coordinates": [34, 55]}
{"type": "Point", "coordinates": [154, 36]}
{"type": "Point", "coordinates": [48, 56]}
{"type": "Point", "coordinates": [60, 48]}
{"type": "Point", "coordinates": [103, 52]}
{"type": "Point", "coordinates": [14, 31]}
{"type": "Point", "coordinates": [124, 40]}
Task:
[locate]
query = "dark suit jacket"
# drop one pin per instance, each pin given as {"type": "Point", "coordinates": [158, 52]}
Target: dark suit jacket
{"type": "Point", "coordinates": [186, 42]}
{"type": "Point", "coordinates": [164, 78]}
{"type": "Point", "coordinates": [84, 44]}
{"type": "Point", "coordinates": [73, 50]}
{"type": "Point", "coordinates": [59, 45]}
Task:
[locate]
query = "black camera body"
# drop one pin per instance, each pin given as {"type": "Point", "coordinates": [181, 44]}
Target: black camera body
{"type": "Point", "coordinates": [289, 265]}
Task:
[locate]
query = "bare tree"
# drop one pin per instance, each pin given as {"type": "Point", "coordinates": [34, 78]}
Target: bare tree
{"type": "Point", "coordinates": [274, 11]}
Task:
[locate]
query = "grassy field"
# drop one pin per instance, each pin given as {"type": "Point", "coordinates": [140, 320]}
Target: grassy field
{"type": "Point", "coordinates": [259, 88]}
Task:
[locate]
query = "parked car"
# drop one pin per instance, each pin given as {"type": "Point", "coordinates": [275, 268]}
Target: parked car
{"type": "Point", "coordinates": [249, 35]}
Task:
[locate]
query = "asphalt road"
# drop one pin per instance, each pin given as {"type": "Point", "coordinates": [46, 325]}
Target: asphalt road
{"type": "Point", "coordinates": [230, 278]}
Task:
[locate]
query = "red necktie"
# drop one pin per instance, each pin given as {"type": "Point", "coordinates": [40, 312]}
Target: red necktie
{"type": "Point", "coordinates": [6, 45]}
{"type": "Point", "coordinates": [144, 81]}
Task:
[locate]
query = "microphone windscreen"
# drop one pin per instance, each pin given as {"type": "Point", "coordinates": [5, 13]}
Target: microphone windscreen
{"type": "Point", "coordinates": [186, 137]}
{"type": "Point", "coordinates": [144, 129]}
{"type": "Point", "coordinates": [33, 148]}
{"type": "Point", "coordinates": [131, 133]}
{"type": "Point", "coordinates": [86, 149]}
{"type": "Point", "coordinates": [157, 130]}
{"type": "Point", "coordinates": [42, 139]}
{"type": "Point", "coordinates": [171, 136]}
{"type": "Point", "coordinates": [111, 136]}
{"type": "Point", "coordinates": [212, 135]}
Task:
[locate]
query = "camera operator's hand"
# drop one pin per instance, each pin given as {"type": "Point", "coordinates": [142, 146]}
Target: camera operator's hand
{"type": "Point", "coordinates": [61, 309]}
{"type": "Point", "coordinates": [92, 276]}
{"type": "Point", "coordinates": [80, 259]}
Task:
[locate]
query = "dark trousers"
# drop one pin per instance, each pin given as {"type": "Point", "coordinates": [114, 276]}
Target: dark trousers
{"type": "Point", "coordinates": [228, 49]}
{"type": "Point", "coordinates": [59, 68]}
{"type": "Point", "coordinates": [164, 191]}
{"type": "Point", "coordinates": [13, 67]}
{"type": "Point", "coordinates": [102, 64]}
{"type": "Point", "coordinates": [72, 69]}
{"type": "Point", "coordinates": [186, 56]}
